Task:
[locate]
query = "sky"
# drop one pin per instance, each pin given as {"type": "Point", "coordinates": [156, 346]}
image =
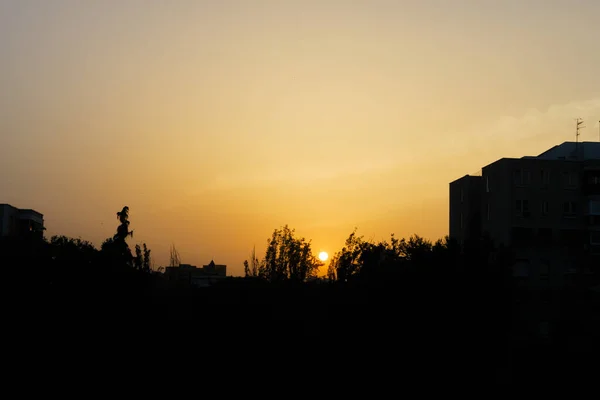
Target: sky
{"type": "Point", "coordinates": [217, 122]}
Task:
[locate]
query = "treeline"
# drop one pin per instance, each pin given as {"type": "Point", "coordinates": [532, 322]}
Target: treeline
{"type": "Point", "coordinates": [33, 261]}
{"type": "Point", "coordinates": [289, 258]}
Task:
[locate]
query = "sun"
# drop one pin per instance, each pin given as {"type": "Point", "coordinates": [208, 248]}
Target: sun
{"type": "Point", "coordinates": [323, 256]}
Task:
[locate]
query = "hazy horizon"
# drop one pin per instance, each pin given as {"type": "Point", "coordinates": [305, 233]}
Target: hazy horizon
{"type": "Point", "coordinates": [217, 122]}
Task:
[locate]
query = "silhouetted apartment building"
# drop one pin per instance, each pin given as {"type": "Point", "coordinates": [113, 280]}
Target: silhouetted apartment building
{"type": "Point", "coordinates": [465, 211]}
{"type": "Point", "coordinates": [546, 208]}
{"type": "Point", "coordinates": [191, 275]}
{"type": "Point", "coordinates": [18, 222]}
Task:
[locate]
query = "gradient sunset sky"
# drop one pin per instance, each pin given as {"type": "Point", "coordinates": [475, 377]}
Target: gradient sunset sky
{"type": "Point", "coordinates": [219, 121]}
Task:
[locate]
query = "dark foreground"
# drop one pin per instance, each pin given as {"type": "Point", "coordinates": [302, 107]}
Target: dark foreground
{"type": "Point", "coordinates": [411, 332]}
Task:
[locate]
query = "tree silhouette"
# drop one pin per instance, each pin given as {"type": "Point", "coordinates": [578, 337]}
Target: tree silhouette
{"type": "Point", "coordinates": [66, 249]}
{"type": "Point", "coordinates": [252, 268]}
{"type": "Point", "coordinates": [416, 249]}
{"type": "Point", "coordinates": [175, 259]}
{"type": "Point", "coordinates": [138, 259]}
{"type": "Point", "coordinates": [147, 263]}
{"type": "Point", "coordinates": [141, 261]}
{"type": "Point", "coordinates": [287, 258]}
{"type": "Point", "coordinates": [346, 263]}
{"type": "Point", "coordinates": [361, 260]}
{"type": "Point", "coordinates": [123, 229]}
{"type": "Point", "coordinates": [116, 249]}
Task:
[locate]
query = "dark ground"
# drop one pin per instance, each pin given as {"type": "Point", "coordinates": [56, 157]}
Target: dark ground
{"type": "Point", "coordinates": [445, 332]}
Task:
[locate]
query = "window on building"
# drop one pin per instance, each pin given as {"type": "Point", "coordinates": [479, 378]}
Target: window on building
{"type": "Point", "coordinates": [517, 176]}
{"type": "Point", "coordinates": [569, 179]}
{"type": "Point", "coordinates": [569, 209]}
{"type": "Point", "coordinates": [545, 177]}
{"type": "Point", "coordinates": [593, 180]}
{"type": "Point", "coordinates": [545, 208]}
{"type": "Point", "coordinates": [522, 177]}
{"type": "Point", "coordinates": [522, 208]}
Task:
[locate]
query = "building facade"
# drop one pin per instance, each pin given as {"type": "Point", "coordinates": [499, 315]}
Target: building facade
{"type": "Point", "coordinates": [465, 209]}
{"type": "Point", "coordinates": [18, 222]}
{"type": "Point", "coordinates": [546, 208]}
{"type": "Point", "coordinates": [190, 275]}
{"type": "Point", "coordinates": [215, 269]}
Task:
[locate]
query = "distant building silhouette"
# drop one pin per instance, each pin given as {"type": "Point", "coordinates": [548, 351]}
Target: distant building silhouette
{"type": "Point", "coordinates": [19, 222]}
{"type": "Point", "coordinates": [215, 269]}
{"type": "Point", "coordinates": [546, 208]}
{"type": "Point", "coordinates": [187, 274]}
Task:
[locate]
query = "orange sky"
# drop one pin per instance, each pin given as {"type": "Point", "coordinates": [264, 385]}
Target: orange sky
{"type": "Point", "coordinates": [217, 122]}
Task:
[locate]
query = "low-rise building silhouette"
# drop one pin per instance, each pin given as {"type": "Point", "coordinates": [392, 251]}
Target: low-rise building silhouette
{"type": "Point", "coordinates": [215, 269]}
{"type": "Point", "coordinates": [186, 274]}
{"type": "Point", "coordinates": [18, 222]}
{"type": "Point", "coordinates": [546, 208]}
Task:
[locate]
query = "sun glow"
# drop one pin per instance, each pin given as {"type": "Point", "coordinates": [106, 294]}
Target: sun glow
{"type": "Point", "coordinates": [323, 256]}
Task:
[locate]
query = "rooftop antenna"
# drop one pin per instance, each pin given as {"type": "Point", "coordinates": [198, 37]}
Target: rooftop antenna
{"type": "Point", "coordinates": [578, 126]}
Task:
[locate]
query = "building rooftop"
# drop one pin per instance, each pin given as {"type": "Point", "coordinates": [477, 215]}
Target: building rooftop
{"type": "Point", "coordinates": [573, 151]}
{"type": "Point", "coordinates": [567, 151]}
{"type": "Point", "coordinates": [22, 210]}
{"type": "Point", "coordinates": [472, 177]}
